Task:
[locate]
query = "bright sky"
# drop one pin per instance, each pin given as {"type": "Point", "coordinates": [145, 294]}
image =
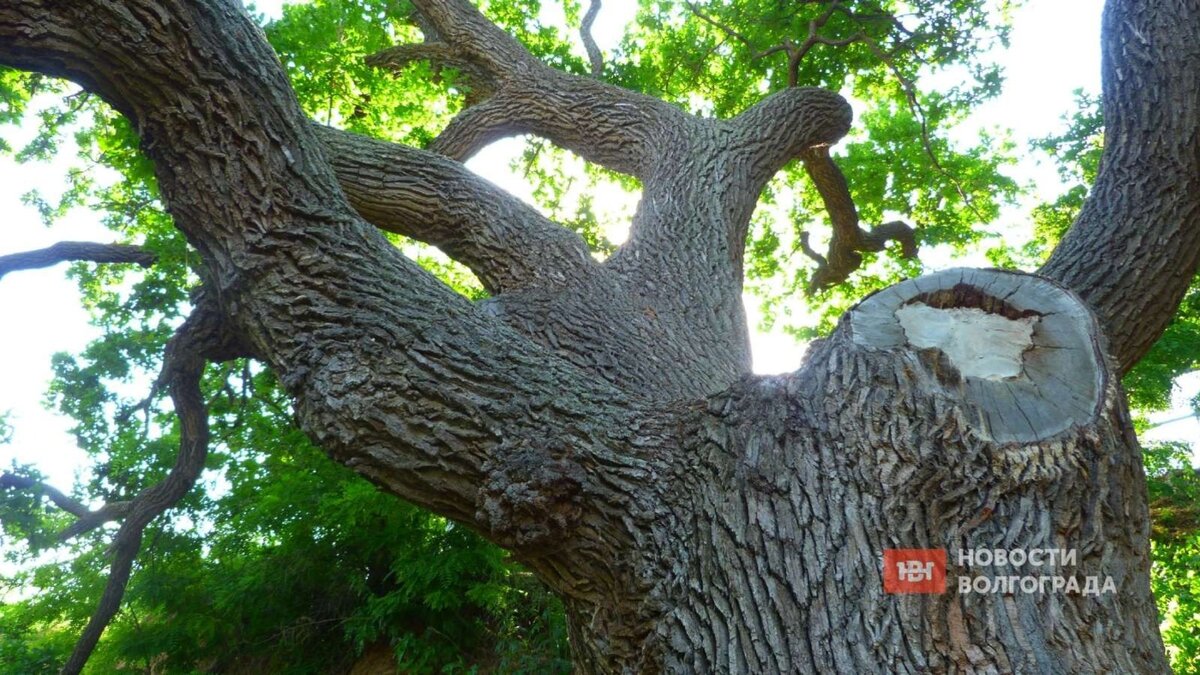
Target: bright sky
{"type": "Point", "coordinates": [43, 315]}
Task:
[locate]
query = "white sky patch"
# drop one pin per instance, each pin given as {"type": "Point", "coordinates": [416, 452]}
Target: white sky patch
{"type": "Point", "coordinates": [41, 313]}
{"type": "Point", "coordinates": [1180, 423]}
{"type": "Point", "coordinates": [774, 352]}
{"type": "Point", "coordinates": [272, 9]}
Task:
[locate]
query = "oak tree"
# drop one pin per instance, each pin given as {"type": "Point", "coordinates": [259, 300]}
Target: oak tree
{"type": "Point", "coordinates": [596, 417]}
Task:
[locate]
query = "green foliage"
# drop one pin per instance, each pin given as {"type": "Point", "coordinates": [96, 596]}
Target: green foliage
{"type": "Point", "coordinates": [25, 519]}
{"type": "Point", "coordinates": [1176, 585]}
{"type": "Point", "coordinates": [1174, 492]}
{"type": "Point", "coordinates": [1151, 382]}
{"type": "Point", "coordinates": [286, 562]}
{"type": "Point", "coordinates": [1174, 486]}
{"type": "Point", "coordinates": [322, 45]}
{"type": "Point", "coordinates": [16, 89]}
{"type": "Point", "coordinates": [1076, 154]}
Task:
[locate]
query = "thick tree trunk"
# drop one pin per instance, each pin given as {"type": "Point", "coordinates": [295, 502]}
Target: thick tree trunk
{"type": "Point", "coordinates": [893, 437]}
{"type": "Point", "coordinates": [598, 419]}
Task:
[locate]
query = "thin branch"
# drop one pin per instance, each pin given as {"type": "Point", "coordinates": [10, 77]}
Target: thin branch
{"type": "Point", "coordinates": [755, 52]}
{"type": "Point", "coordinates": [93, 519]}
{"type": "Point", "coordinates": [67, 503]}
{"type": "Point", "coordinates": [65, 251]}
{"type": "Point", "coordinates": [87, 519]}
{"type": "Point", "coordinates": [918, 111]}
{"type": "Point", "coordinates": [848, 240]}
{"type": "Point", "coordinates": [595, 56]}
{"type": "Point", "coordinates": [796, 54]}
{"type": "Point", "coordinates": [193, 449]}
{"type": "Point", "coordinates": [201, 338]}
{"type": "Point", "coordinates": [885, 57]}
{"type": "Point", "coordinates": [811, 252]}
{"type": "Point", "coordinates": [9, 481]}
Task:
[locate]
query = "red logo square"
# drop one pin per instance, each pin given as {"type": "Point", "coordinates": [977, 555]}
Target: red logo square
{"type": "Point", "coordinates": [914, 570]}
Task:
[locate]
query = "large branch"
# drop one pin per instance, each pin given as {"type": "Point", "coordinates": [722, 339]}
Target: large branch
{"type": "Point", "coordinates": [1135, 247]}
{"type": "Point", "coordinates": [66, 251]}
{"type": "Point", "coordinates": [506, 243]}
{"type": "Point", "coordinates": [477, 76]}
{"type": "Point", "coordinates": [697, 204]}
{"type": "Point", "coordinates": [460, 23]}
{"type": "Point", "coordinates": [613, 127]}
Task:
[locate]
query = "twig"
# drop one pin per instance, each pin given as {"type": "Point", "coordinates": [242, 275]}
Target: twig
{"type": "Point", "coordinates": [918, 111]}
{"type": "Point", "coordinates": [589, 43]}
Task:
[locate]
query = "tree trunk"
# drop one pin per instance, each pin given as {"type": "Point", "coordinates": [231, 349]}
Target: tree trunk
{"type": "Point", "coordinates": [893, 437]}
{"type": "Point", "coordinates": [598, 419]}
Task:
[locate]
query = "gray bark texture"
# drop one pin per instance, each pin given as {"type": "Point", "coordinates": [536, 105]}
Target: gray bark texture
{"type": "Point", "coordinates": [598, 419]}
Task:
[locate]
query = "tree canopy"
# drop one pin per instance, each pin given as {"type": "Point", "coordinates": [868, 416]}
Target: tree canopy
{"type": "Point", "coordinates": [286, 561]}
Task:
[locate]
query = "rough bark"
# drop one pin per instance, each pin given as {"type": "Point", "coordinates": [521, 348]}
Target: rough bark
{"type": "Point", "coordinates": [798, 484]}
{"type": "Point", "coordinates": [1135, 247]}
{"type": "Point", "coordinates": [598, 419]}
{"type": "Point", "coordinates": [506, 243]}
